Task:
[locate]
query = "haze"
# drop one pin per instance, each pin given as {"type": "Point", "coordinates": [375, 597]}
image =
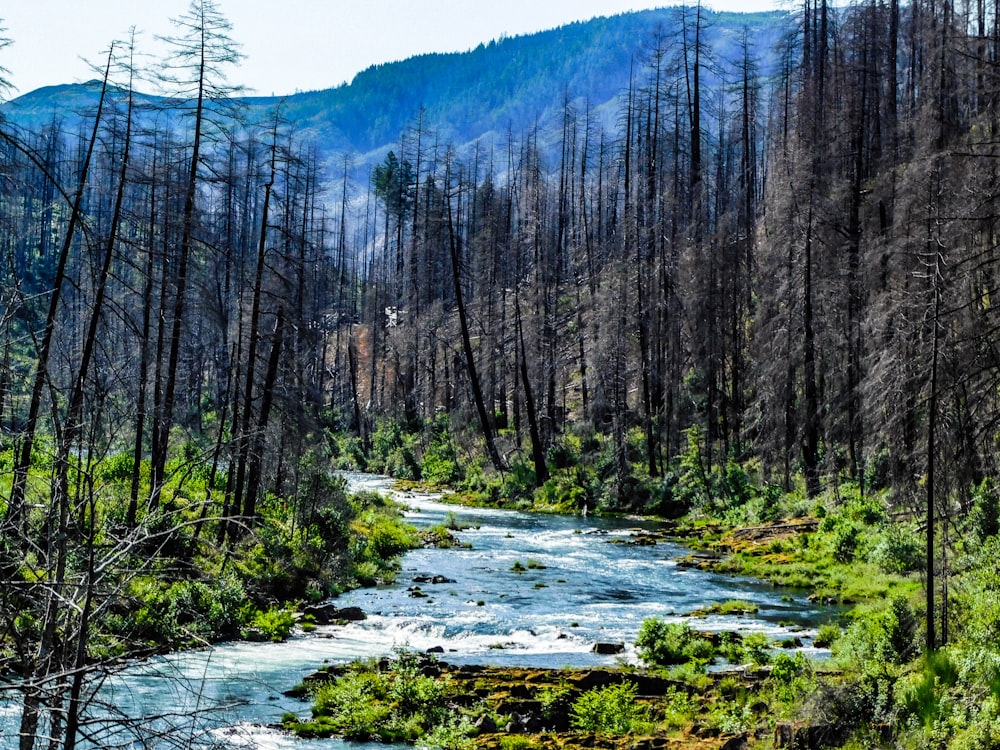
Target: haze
{"type": "Point", "coordinates": [295, 45]}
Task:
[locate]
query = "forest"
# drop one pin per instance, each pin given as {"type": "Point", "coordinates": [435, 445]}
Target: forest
{"type": "Point", "coordinates": [765, 283]}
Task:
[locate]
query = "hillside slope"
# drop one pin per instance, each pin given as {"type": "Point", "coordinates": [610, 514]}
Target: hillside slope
{"type": "Point", "coordinates": [511, 84]}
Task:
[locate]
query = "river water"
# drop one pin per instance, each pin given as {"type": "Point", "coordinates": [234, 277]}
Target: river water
{"type": "Point", "coordinates": [583, 583]}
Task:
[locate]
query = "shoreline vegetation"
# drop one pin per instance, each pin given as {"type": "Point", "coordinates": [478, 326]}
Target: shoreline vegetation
{"type": "Point", "coordinates": [843, 548]}
{"type": "Point", "coordinates": [849, 549]}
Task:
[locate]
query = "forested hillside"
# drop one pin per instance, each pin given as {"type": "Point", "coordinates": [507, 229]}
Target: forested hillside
{"type": "Point", "coordinates": [655, 266]}
{"type": "Point", "coordinates": [505, 86]}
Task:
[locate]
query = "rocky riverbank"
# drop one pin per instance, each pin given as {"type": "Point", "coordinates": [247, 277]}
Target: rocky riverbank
{"type": "Point", "coordinates": [518, 708]}
{"type": "Point", "coordinates": [511, 708]}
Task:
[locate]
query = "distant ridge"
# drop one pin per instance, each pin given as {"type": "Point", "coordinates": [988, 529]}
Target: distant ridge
{"type": "Point", "coordinates": [511, 84]}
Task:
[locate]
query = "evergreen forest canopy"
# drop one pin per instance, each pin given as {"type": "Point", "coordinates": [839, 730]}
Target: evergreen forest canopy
{"type": "Point", "coordinates": [719, 266]}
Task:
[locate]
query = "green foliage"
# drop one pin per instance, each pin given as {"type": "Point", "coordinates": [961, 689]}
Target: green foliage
{"type": "Point", "coordinates": [867, 509]}
{"type": "Point", "coordinates": [515, 742]}
{"type": "Point", "coordinates": [355, 705]}
{"type": "Point", "coordinates": [382, 536]}
{"type": "Point", "coordinates": [117, 468]}
{"type": "Point", "coordinates": [439, 464]}
{"type": "Point", "coordinates": [923, 693]}
{"type": "Point", "coordinates": [984, 516]}
{"type": "Point", "coordinates": [274, 624]}
{"type": "Point", "coordinates": [975, 595]}
{"type": "Point", "coordinates": [877, 471]}
{"type": "Point", "coordinates": [565, 452]}
{"type": "Point", "coordinates": [726, 491]}
{"type": "Point", "coordinates": [393, 181]}
{"type": "Point", "coordinates": [845, 542]}
{"type": "Point", "coordinates": [394, 451]}
{"type": "Point", "coordinates": [555, 700]}
{"type": "Point", "coordinates": [608, 710]}
{"type": "Point", "coordinates": [899, 549]}
{"type": "Point", "coordinates": [661, 644]}
{"type": "Point", "coordinates": [755, 648]}
{"type": "Point", "coordinates": [786, 668]}
{"type": "Point", "coordinates": [879, 637]}
{"type": "Point", "coordinates": [188, 611]}
{"type": "Point", "coordinates": [347, 451]}
{"type": "Point", "coordinates": [567, 491]}
{"type": "Point", "coordinates": [827, 635]}
{"type": "Point", "coordinates": [453, 733]}
{"type": "Point", "coordinates": [393, 704]}
{"type": "Point", "coordinates": [379, 537]}
{"type": "Point", "coordinates": [678, 708]}
{"type": "Point", "coordinates": [732, 607]}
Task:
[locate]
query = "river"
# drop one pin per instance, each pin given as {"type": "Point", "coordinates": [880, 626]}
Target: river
{"type": "Point", "coordinates": [583, 583]}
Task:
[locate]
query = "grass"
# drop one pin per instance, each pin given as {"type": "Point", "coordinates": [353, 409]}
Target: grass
{"type": "Point", "coordinates": [734, 607]}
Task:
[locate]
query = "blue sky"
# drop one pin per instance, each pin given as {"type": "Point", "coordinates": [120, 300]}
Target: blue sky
{"type": "Point", "coordinates": [289, 45]}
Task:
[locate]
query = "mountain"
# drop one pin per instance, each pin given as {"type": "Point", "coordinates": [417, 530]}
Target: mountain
{"type": "Point", "coordinates": [512, 83]}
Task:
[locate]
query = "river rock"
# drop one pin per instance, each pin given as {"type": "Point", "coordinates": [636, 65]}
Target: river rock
{"type": "Point", "coordinates": [609, 648]}
{"type": "Point", "coordinates": [739, 742]}
{"type": "Point", "coordinates": [351, 614]}
{"type": "Point", "coordinates": [432, 579]}
{"type": "Point", "coordinates": [324, 614]}
{"type": "Point", "coordinates": [435, 650]}
{"type": "Point", "coordinates": [807, 737]}
{"type": "Point", "coordinates": [485, 725]}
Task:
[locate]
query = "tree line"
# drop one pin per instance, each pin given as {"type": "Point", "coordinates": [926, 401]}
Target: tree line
{"type": "Point", "coordinates": [166, 291]}
{"type": "Point", "coordinates": [789, 274]}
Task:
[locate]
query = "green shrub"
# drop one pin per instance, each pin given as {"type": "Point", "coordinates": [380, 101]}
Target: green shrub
{"type": "Point", "coordinates": [786, 667]}
{"type": "Point", "coordinates": [554, 700]}
{"type": "Point", "coordinates": [661, 644]}
{"type": "Point", "coordinates": [566, 492]}
{"type": "Point", "coordinates": [678, 708]}
{"type": "Point", "coordinates": [274, 624]}
{"type": "Point", "coordinates": [845, 542]}
{"type": "Point", "coordinates": [439, 465]}
{"type": "Point", "coordinates": [922, 694]}
{"type": "Point", "coordinates": [564, 452]}
{"type": "Point", "coordinates": [734, 717]}
{"type": "Point", "coordinates": [898, 550]}
{"type": "Point", "coordinates": [397, 704]}
{"type": "Point", "coordinates": [984, 516]}
{"type": "Point", "coordinates": [755, 648]}
{"type": "Point", "coordinates": [189, 611]}
{"type": "Point", "coordinates": [116, 468]}
{"type": "Point", "coordinates": [453, 733]}
{"type": "Point", "coordinates": [878, 638]}
{"type": "Point", "coordinates": [366, 573]}
{"type": "Point", "coordinates": [380, 536]}
{"type": "Point", "coordinates": [608, 710]}
{"type": "Point", "coordinates": [867, 509]}
{"type": "Point", "coordinates": [975, 595]}
{"type": "Point", "coordinates": [827, 635]}
{"type": "Point", "coordinates": [393, 451]}
{"type": "Point", "coordinates": [355, 704]}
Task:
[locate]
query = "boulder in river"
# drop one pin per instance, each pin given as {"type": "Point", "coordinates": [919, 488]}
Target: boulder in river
{"type": "Point", "coordinates": [324, 614]}
{"type": "Point", "coordinates": [608, 648]}
{"type": "Point", "coordinates": [432, 579]}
